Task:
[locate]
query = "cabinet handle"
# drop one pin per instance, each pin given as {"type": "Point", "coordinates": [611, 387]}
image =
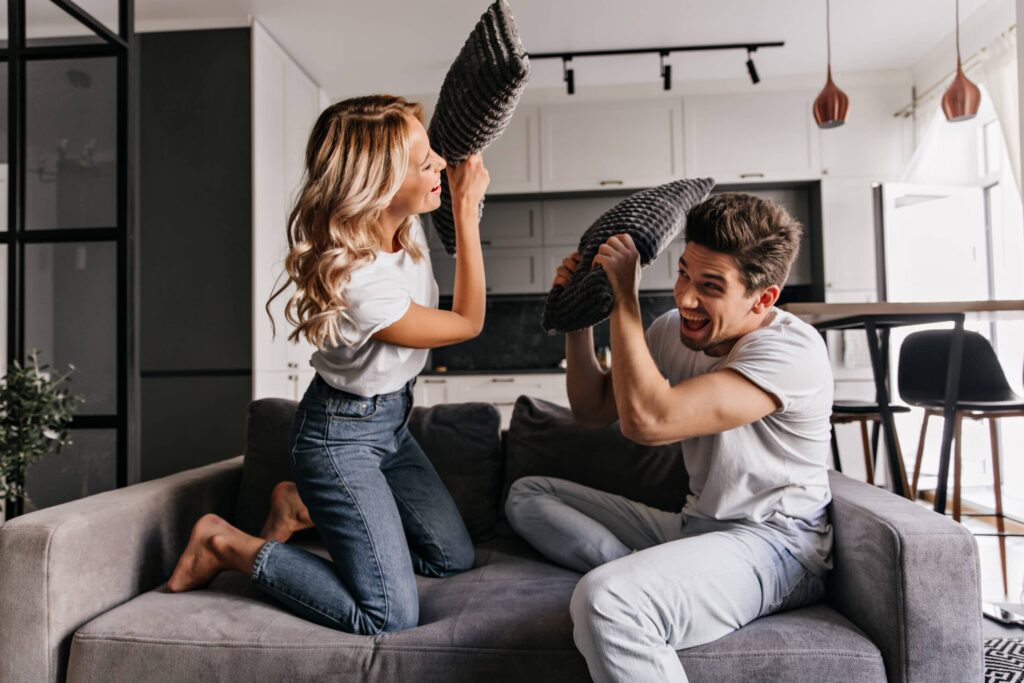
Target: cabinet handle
{"type": "Point", "coordinates": [503, 379]}
{"type": "Point", "coordinates": [293, 365]}
{"type": "Point", "coordinates": [531, 223]}
{"type": "Point", "coordinates": [485, 243]}
{"type": "Point", "coordinates": [603, 183]}
{"type": "Point", "coordinates": [751, 175]}
{"type": "Point", "coordinates": [435, 381]}
{"type": "Point", "coordinates": [489, 289]}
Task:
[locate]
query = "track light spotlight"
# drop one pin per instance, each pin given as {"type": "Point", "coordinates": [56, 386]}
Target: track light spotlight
{"type": "Point", "coordinates": [666, 72]}
{"type": "Point", "coordinates": [567, 76]}
{"type": "Point", "coordinates": [751, 69]}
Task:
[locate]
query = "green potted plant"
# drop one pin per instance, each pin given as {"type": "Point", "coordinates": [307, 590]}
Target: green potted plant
{"type": "Point", "coordinates": [35, 412]}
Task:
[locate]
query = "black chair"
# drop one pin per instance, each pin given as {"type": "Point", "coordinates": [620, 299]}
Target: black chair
{"type": "Point", "coordinates": [984, 394]}
{"type": "Point", "coordinates": [861, 412]}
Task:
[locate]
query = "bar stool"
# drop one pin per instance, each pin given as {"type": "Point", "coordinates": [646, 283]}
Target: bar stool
{"type": "Point", "coordinates": [862, 412]}
{"type": "Point", "coordinates": [983, 394]}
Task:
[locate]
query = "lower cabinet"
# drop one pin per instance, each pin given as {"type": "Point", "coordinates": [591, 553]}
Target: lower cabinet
{"type": "Point", "coordinates": [501, 390]}
{"type": "Point", "coordinates": [289, 384]}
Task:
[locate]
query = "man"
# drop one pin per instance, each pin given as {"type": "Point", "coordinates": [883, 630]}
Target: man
{"type": "Point", "coordinates": [748, 394]}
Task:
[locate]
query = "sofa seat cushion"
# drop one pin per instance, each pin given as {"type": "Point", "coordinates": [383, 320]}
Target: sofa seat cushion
{"type": "Point", "coordinates": [505, 620]}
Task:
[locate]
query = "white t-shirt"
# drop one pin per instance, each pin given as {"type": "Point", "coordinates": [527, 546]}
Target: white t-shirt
{"type": "Point", "coordinates": [772, 473]}
{"type": "Point", "coordinates": [378, 295]}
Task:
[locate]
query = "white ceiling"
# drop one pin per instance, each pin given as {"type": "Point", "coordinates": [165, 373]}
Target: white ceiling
{"type": "Point", "coordinates": [405, 46]}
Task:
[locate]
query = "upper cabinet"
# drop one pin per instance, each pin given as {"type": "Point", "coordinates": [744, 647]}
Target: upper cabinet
{"type": "Point", "coordinates": [751, 137]}
{"type": "Point", "coordinates": [513, 161]}
{"type": "Point", "coordinates": [611, 145]}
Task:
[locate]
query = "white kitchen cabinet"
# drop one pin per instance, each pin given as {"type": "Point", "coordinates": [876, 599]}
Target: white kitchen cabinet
{"type": "Point", "coordinates": [285, 105]}
{"type": "Point", "coordinates": [514, 270]}
{"type": "Point", "coordinates": [282, 384]}
{"type": "Point", "coordinates": [848, 235]}
{"type": "Point", "coordinates": [751, 137]}
{"type": "Point", "coordinates": [513, 161]}
{"type": "Point", "coordinates": [511, 224]}
{"type": "Point", "coordinates": [565, 220]}
{"type": "Point", "coordinates": [872, 143]}
{"type": "Point", "coordinates": [502, 390]}
{"type": "Point", "coordinates": [661, 273]}
{"type": "Point", "coordinates": [431, 391]}
{"type": "Point", "coordinates": [508, 270]}
{"type": "Point", "coordinates": [611, 145]}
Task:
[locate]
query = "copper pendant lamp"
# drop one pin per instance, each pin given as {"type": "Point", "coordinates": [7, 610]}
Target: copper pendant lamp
{"type": "Point", "coordinates": [962, 97]}
{"type": "Point", "coordinates": [831, 104]}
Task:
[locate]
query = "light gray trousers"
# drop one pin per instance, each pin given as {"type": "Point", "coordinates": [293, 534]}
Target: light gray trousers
{"type": "Point", "coordinates": [655, 581]}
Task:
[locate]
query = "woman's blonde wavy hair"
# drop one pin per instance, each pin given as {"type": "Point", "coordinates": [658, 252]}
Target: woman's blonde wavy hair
{"type": "Point", "coordinates": [356, 160]}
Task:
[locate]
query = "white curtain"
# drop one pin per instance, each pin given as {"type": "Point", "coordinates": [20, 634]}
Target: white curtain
{"type": "Point", "coordinates": [998, 73]}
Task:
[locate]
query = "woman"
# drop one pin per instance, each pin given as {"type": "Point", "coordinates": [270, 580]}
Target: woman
{"type": "Point", "coordinates": [366, 297]}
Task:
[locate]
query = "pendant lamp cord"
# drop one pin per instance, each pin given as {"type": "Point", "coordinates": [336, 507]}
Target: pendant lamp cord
{"type": "Point", "coordinates": [828, 30]}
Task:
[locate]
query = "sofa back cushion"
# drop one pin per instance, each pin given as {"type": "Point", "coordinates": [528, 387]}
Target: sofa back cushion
{"type": "Point", "coordinates": [461, 440]}
{"type": "Point", "coordinates": [544, 439]}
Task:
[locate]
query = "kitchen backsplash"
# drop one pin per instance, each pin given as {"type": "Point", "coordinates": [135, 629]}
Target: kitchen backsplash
{"type": "Point", "coordinates": [513, 339]}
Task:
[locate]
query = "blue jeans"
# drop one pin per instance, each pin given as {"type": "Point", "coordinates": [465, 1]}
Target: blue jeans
{"type": "Point", "coordinates": [379, 506]}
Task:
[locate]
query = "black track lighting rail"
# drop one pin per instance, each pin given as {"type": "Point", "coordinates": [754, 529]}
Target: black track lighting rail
{"type": "Point", "coordinates": [750, 47]}
{"type": "Point", "coordinates": [665, 69]}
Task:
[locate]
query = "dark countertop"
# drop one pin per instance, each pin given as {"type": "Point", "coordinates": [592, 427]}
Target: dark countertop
{"type": "Point", "coordinates": [495, 371]}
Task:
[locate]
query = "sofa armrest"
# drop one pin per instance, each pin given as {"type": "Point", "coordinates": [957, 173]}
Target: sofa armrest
{"type": "Point", "coordinates": [910, 579]}
{"type": "Point", "coordinates": [60, 567]}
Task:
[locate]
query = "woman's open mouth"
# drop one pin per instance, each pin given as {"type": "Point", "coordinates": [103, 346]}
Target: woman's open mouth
{"type": "Point", "coordinates": [693, 322]}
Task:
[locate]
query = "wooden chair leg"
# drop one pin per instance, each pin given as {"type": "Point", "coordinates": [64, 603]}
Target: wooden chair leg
{"type": "Point", "coordinates": [837, 464]}
{"type": "Point", "coordinates": [920, 454]}
{"type": "Point", "coordinates": [869, 468]}
{"type": "Point", "coordinates": [998, 486]}
{"type": "Point", "coordinates": [957, 440]}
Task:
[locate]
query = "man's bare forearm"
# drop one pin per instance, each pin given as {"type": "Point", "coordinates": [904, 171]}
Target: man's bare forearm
{"type": "Point", "coordinates": [586, 384]}
{"type": "Point", "coordinates": [640, 389]}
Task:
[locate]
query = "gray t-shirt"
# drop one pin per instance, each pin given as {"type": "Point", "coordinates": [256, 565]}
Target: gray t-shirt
{"type": "Point", "coordinates": [772, 474]}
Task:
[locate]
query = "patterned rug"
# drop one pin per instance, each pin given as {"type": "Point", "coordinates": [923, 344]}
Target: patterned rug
{"type": "Point", "coordinates": [1004, 660]}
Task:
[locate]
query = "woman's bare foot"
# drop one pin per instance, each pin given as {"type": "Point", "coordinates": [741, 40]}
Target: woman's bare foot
{"type": "Point", "coordinates": [287, 515]}
{"type": "Point", "coordinates": [201, 560]}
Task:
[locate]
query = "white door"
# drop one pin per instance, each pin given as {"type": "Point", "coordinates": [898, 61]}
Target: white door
{"type": "Point", "coordinates": [934, 243]}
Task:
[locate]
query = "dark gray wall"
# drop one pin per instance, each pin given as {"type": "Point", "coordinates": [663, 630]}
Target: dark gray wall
{"type": "Point", "coordinates": [195, 246]}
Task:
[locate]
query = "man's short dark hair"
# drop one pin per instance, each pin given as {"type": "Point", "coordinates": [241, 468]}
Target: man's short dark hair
{"type": "Point", "coordinates": [761, 236]}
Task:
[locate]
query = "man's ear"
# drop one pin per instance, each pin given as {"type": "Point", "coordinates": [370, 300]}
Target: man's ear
{"type": "Point", "coordinates": [763, 303]}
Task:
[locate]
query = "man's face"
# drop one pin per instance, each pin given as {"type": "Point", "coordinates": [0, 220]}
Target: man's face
{"type": "Point", "coordinates": [714, 307]}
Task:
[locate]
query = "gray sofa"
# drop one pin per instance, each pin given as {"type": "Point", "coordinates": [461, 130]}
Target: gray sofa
{"type": "Point", "coordinates": [82, 596]}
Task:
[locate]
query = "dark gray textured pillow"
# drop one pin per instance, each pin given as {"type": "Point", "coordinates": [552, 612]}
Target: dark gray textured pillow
{"type": "Point", "coordinates": [652, 217]}
{"type": "Point", "coordinates": [477, 100]}
{"type": "Point", "coordinates": [543, 439]}
{"type": "Point", "coordinates": [460, 439]}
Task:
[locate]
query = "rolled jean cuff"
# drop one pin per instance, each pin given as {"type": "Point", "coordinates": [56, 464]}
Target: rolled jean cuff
{"type": "Point", "coordinates": [261, 559]}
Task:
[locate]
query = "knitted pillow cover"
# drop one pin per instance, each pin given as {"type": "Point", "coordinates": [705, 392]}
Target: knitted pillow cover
{"type": "Point", "coordinates": [652, 217]}
{"type": "Point", "coordinates": [477, 99]}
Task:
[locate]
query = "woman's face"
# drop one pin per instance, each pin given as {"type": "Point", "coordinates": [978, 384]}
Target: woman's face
{"type": "Point", "coordinates": [421, 189]}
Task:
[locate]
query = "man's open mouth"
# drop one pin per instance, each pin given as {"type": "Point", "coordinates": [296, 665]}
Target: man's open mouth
{"type": "Point", "coordinates": [694, 321]}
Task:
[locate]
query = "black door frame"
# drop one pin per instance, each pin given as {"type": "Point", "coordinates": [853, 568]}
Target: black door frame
{"type": "Point", "coordinates": [17, 54]}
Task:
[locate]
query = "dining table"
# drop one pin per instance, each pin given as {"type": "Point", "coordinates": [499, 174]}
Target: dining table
{"type": "Point", "coordinates": [877, 319]}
